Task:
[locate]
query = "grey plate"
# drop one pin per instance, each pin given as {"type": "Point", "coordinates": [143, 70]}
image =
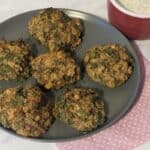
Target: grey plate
{"type": "Point", "coordinates": [97, 31]}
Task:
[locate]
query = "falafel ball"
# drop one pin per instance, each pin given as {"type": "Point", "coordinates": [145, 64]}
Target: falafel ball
{"type": "Point", "coordinates": [54, 29]}
{"type": "Point", "coordinates": [55, 69]}
{"type": "Point", "coordinates": [109, 65]}
{"type": "Point", "coordinates": [80, 108]}
{"type": "Point", "coordinates": [26, 111]}
{"type": "Point", "coordinates": [14, 60]}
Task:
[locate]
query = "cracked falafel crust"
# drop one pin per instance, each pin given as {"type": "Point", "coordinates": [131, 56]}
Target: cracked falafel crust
{"type": "Point", "coordinates": [14, 60]}
{"type": "Point", "coordinates": [25, 111]}
{"type": "Point", "coordinates": [80, 108]}
{"type": "Point", "coordinates": [109, 65]}
{"type": "Point", "coordinates": [55, 69]}
{"type": "Point", "coordinates": [55, 30]}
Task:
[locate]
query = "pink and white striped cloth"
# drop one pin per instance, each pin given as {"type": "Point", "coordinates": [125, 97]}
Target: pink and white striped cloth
{"type": "Point", "coordinates": [131, 131]}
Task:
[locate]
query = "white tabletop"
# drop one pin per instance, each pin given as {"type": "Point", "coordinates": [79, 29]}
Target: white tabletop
{"type": "Point", "coordinates": [9, 8]}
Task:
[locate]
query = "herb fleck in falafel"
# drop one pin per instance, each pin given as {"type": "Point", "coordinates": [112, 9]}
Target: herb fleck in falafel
{"type": "Point", "coordinates": [25, 111]}
{"type": "Point", "coordinates": [14, 59]}
{"type": "Point", "coordinates": [54, 29]}
{"type": "Point", "coordinates": [109, 65]}
{"type": "Point", "coordinates": [55, 69]}
{"type": "Point", "coordinates": [81, 108]}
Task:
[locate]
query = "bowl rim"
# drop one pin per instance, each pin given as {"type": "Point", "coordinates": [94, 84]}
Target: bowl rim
{"type": "Point", "coordinates": [128, 12]}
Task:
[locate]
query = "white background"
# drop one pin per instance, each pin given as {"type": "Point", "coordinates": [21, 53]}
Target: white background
{"type": "Point", "coordinates": [9, 8]}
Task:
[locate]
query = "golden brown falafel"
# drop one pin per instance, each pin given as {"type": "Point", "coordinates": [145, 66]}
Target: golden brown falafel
{"type": "Point", "coordinates": [55, 69]}
{"type": "Point", "coordinates": [26, 111]}
{"type": "Point", "coordinates": [109, 65]}
{"type": "Point", "coordinates": [55, 30]}
{"type": "Point", "coordinates": [14, 60]}
{"type": "Point", "coordinates": [81, 108]}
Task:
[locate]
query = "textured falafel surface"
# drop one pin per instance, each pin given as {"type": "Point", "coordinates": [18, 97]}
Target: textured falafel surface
{"type": "Point", "coordinates": [55, 30]}
{"type": "Point", "coordinates": [80, 108]}
{"type": "Point", "coordinates": [25, 111]}
{"type": "Point", "coordinates": [55, 69]}
{"type": "Point", "coordinates": [109, 65]}
{"type": "Point", "coordinates": [14, 60]}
